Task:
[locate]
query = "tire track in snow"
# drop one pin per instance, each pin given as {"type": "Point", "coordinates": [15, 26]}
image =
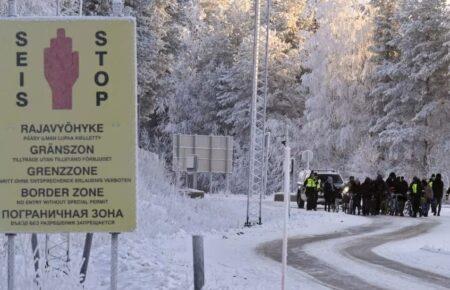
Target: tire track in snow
{"type": "Point", "coordinates": [362, 249]}
{"type": "Point", "coordinates": [324, 273]}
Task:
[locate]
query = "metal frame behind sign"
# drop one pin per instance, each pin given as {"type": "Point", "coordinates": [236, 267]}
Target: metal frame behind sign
{"type": "Point", "coordinates": [202, 153]}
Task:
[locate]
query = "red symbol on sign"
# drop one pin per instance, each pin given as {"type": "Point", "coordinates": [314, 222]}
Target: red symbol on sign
{"type": "Point", "coordinates": [61, 68]}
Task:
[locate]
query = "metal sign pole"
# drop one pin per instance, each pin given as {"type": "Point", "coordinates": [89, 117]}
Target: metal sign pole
{"type": "Point", "coordinates": [11, 260]}
{"type": "Point", "coordinates": [114, 259]}
{"type": "Point", "coordinates": [57, 7]}
{"type": "Point", "coordinates": [81, 8]}
{"type": "Point", "coordinates": [117, 7]}
{"type": "Point", "coordinates": [210, 163]}
{"type": "Point", "coordinates": [12, 12]}
{"type": "Point", "coordinates": [36, 255]}
{"type": "Point", "coordinates": [47, 239]}
{"type": "Point", "coordinates": [227, 157]}
{"type": "Point", "coordinates": [12, 9]}
{"type": "Point", "coordinates": [67, 247]}
{"type": "Point", "coordinates": [287, 161]}
{"type": "Point", "coordinates": [86, 255]}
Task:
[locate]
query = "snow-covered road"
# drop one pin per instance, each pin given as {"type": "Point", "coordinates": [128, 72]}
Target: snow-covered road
{"type": "Point", "coordinates": [346, 259]}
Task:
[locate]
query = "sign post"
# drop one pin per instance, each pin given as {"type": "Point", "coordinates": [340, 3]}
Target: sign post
{"type": "Point", "coordinates": [12, 12]}
{"type": "Point", "coordinates": [11, 260]}
{"type": "Point", "coordinates": [12, 9]}
{"type": "Point", "coordinates": [114, 259]}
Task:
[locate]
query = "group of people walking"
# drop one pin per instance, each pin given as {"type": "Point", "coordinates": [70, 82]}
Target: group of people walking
{"type": "Point", "coordinates": [394, 196]}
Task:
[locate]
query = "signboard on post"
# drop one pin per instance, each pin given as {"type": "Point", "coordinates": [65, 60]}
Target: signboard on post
{"type": "Point", "coordinates": [202, 153]}
{"type": "Point", "coordinates": [67, 125]}
{"type": "Point", "coordinates": [307, 156]}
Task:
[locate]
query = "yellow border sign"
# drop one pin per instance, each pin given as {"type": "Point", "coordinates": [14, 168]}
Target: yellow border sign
{"type": "Point", "coordinates": [67, 125]}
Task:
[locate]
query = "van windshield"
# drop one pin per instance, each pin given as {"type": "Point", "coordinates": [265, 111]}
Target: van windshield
{"type": "Point", "coordinates": [336, 178]}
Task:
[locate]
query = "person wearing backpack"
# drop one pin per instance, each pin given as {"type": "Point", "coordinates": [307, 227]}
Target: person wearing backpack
{"type": "Point", "coordinates": [427, 197]}
{"type": "Point", "coordinates": [438, 194]}
{"type": "Point", "coordinates": [415, 189]}
{"type": "Point", "coordinates": [328, 193]}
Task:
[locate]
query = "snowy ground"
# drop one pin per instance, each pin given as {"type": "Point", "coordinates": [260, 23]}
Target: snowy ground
{"type": "Point", "coordinates": [159, 254]}
{"type": "Point", "coordinates": [430, 251]}
{"type": "Point", "coordinates": [163, 261]}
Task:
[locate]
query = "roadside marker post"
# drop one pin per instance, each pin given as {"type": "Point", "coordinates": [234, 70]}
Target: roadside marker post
{"type": "Point", "coordinates": [286, 166]}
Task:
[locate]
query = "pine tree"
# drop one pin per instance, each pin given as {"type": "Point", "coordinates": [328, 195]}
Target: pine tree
{"type": "Point", "coordinates": [385, 56]}
{"type": "Point", "coordinates": [421, 87]}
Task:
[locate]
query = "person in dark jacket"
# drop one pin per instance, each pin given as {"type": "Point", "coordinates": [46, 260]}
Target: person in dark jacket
{"type": "Point", "coordinates": [391, 182]}
{"type": "Point", "coordinates": [403, 186]}
{"type": "Point", "coordinates": [403, 191]}
{"type": "Point", "coordinates": [356, 197]}
{"type": "Point", "coordinates": [427, 197]}
{"type": "Point", "coordinates": [366, 195]}
{"type": "Point", "coordinates": [416, 191]}
{"type": "Point", "coordinates": [328, 193]}
{"type": "Point", "coordinates": [352, 187]}
{"type": "Point", "coordinates": [438, 194]}
{"type": "Point", "coordinates": [379, 191]}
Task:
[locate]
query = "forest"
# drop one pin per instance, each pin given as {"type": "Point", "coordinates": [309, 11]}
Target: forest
{"type": "Point", "coordinates": [364, 84]}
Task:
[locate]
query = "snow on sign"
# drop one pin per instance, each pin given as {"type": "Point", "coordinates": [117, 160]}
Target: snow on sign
{"type": "Point", "coordinates": [67, 125]}
{"type": "Point", "coordinates": [202, 153]}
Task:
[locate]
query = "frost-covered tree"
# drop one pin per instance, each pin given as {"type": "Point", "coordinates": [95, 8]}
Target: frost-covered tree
{"type": "Point", "coordinates": [337, 116]}
{"type": "Point", "coordinates": [385, 56]}
{"type": "Point", "coordinates": [30, 7]}
{"type": "Point", "coordinates": [213, 76]}
{"type": "Point", "coordinates": [413, 121]}
{"type": "Point", "coordinates": [159, 24]}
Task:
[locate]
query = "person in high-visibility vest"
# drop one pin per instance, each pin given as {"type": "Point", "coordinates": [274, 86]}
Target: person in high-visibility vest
{"type": "Point", "coordinates": [310, 190]}
{"type": "Point", "coordinates": [416, 191]}
{"type": "Point", "coordinates": [432, 179]}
